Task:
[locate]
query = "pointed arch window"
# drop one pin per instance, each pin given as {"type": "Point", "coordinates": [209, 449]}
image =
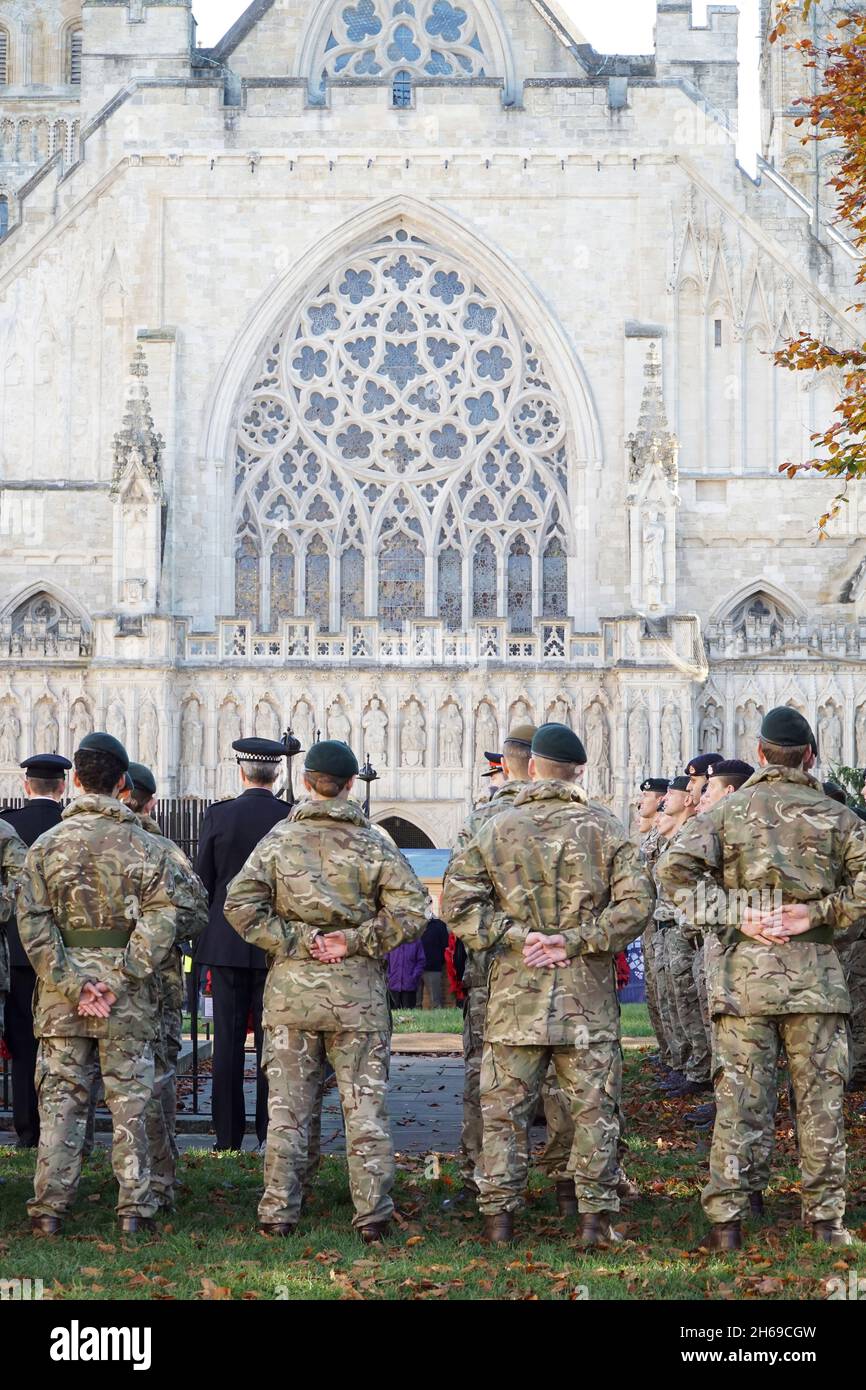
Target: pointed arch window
{"type": "Point", "coordinates": [451, 588]}
{"type": "Point", "coordinates": [401, 89]}
{"type": "Point", "coordinates": [484, 580]}
{"type": "Point", "coordinates": [519, 586]}
{"type": "Point", "coordinates": [4, 55]}
{"type": "Point", "coordinates": [282, 581]}
{"type": "Point", "coordinates": [247, 578]}
{"type": "Point", "coordinates": [554, 579]}
{"type": "Point", "coordinates": [318, 582]}
{"type": "Point", "coordinates": [401, 581]}
{"type": "Point", "coordinates": [352, 583]}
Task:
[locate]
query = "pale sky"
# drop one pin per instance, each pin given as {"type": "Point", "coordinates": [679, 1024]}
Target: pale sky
{"type": "Point", "coordinates": [619, 26]}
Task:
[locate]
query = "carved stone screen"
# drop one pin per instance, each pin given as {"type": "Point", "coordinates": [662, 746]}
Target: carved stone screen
{"type": "Point", "coordinates": [382, 38]}
{"type": "Point", "coordinates": [401, 416]}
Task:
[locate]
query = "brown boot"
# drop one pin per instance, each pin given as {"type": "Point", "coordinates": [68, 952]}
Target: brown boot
{"type": "Point", "coordinates": [375, 1233]}
{"type": "Point", "coordinates": [566, 1198]}
{"type": "Point", "coordinates": [499, 1229]}
{"type": "Point", "coordinates": [756, 1203]}
{"type": "Point", "coordinates": [276, 1228]}
{"type": "Point", "coordinates": [136, 1225]}
{"type": "Point", "coordinates": [830, 1233]}
{"type": "Point", "coordinates": [722, 1235]}
{"type": "Point", "coordinates": [46, 1225]}
{"type": "Point", "coordinates": [596, 1228]}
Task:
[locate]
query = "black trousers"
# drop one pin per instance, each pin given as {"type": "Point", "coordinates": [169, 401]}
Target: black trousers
{"type": "Point", "coordinates": [236, 993]}
{"type": "Point", "coordinates": [22, 1045]}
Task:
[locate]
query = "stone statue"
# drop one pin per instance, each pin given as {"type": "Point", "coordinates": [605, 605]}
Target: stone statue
{"type": "Point", "coordinates": [710, 732]}
{"type": "Point", "coordinates": [375, 724]}
{"type": "Point", "coordinates": [304, 724]}
{"type": "Point", "coordinates": [671, 740]}
{"type": "Point", "coordinates": [860, 736]}
{"type": "Point", "coordinates": [266, 721]}
{"type": "Point", "coordinates": [653, 559]}
{"type": "Point", "coordinates": [450, 736]}
{"type": "Point", "coordinates": [486, 733]}
{"type": "Point", "coordinates": [46, 730]}
{"type": "Point", "coordinates": [559, 712]}
{"type": "Point", "coordinates": [10, 736]}
{"type": "Point", "coordinates": [638, 742]}
{"type": "Point", "coordinates": [520, 713]}
{"type": "Point", "coordinates": [413, 736]}
{"type": "Point", "coordinates": [829, 736]}
{"type": "Point", "coordinates": [228, 730]}
{"type": "Point", "coordinates": [80, 723]}
{"type": "Point", "coordinates": [748, 731]}
{"type": "Point", "coordinates": [597, 734]}
{"type": "Point", "coordinates": [192, 748]}
{"type": "Point", "coordinates": [148, 736]}
{"type": "Point", "coordinates": [115, 721]}
{"type": "Point", "coordinates": [339, 724]}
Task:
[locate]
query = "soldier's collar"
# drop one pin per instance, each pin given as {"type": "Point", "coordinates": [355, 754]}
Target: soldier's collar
{"type": "Point", "coordinates": [332, 810]}
{"type": "Point", "coordinates": [92, 804]}
{"type": "Point", "coordinates": [509, 791]}
{"type": "Point", "coordinates": [774, 772]}
{"type": "Point", "coordinates": [551, 790]}
{"type": "Point", "coordinates": [148, 823]}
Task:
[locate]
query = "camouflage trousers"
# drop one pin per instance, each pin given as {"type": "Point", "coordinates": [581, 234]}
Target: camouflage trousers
{"type": "Point", "coordinates": [554, 1157]}
{"type": "Point", "coordinates": [680, 954]}
{"type": "Point", "coordinates": [295, 1065]}
{"type": "Point", "coordinates": [162, 1110]}
{"type": "Point", "coordinates": [474, 1017]}
{"type": "Point", "coordinates": [65, 1070]}
{"type": "Point", "coordinates": [746, 1084]}
{"type": "Point", "coordinates": [674, 1037]}
{"type": "Point", "coordinates": [699, 974]}
{"type": "Point", "coordinates": [590, 1079]}
{"type": "Point", "coordinates": [853, 960]}
{"type": "Point", "coordinates": [652, 998]}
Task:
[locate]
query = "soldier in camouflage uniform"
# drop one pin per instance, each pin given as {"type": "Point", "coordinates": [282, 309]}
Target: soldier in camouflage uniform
{"type": "Point", "coordinates": [801, 859]}
{"type": "Point", "coordinates": [652, 795]}
{"type": "Point", "coordinates": [515, 765]}
{"type": "Point", "coordinates": [12, 854]}
{"type": "Point", "coordinates": [140, 796]}
{"type": "Point", "coordinates": [693, 1077]}
{"type": "Point", "coordinates": [327, 898]}
{"type": "Point", "coordinates": [851, 946]}
{"type": "Point", "coordinates": [96, 915]}
{"type": "Point", "coordinates": [556, 886]}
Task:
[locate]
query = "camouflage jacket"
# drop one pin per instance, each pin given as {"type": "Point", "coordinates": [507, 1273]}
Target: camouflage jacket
{"type": "Point", "coordinates": [478, 963]}
{"type": "Point", "coordinates": [326, 869]}
{"type": "Point", "coordinates": [190, 921]}
{"type": "Point", "coordinates": [651, 847]}
{"type": "Point", "coordinates": [552, 863]}
{"type": "Point", "coordinates": [778, 837]}
{"type": "Point", "coordinates": [13, 852]}
{"type": "Point", "coordinates": [98, 870]}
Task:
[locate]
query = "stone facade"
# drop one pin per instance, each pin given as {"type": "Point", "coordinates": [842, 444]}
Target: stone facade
{"type": "Point", "coordinates": [399, 369]}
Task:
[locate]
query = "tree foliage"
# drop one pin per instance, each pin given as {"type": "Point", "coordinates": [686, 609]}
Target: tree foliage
{"type": "Point", "coordinates": [837, 112]}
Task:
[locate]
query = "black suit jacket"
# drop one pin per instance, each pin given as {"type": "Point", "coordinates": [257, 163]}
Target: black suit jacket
{"type": "Point", "coordinates": [230, 832]}
{"type": "Point", "coordinates": [31, 821]}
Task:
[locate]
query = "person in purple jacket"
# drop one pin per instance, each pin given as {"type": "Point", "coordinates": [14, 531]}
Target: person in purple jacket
{"type": "Point", "coordinates": [406, 965]}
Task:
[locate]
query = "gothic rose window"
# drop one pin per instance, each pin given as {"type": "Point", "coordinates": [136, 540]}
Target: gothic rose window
{"type": "Point", "coordinates": [401, 415]}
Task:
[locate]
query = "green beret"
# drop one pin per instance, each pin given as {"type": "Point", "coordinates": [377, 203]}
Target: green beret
{"type": "Point", "coordinates": [558, 743]}
{"type": "Point", "coordinates": [333, 756]}
{"type": "Point", "coordinates": [678, 784]}
{"type": "Point", "coordinates": [105, 743]}
{"type": "Point", "coordinates": [659, 785]}
{"type": "Point", "coordinates": [787, 728]}
{"type": "Point", "coordinates": [143, 779]}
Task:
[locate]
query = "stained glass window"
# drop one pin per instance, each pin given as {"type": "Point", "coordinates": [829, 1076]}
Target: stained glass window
{"type": "Point", "coordinates": [282, 581]}
{"type": "Point", "coordinates": [484, 580]}
{"type": "Point", "coordinates": [401, 582]}
{"type": "Point", "coordinates": [352, 583]}
{"type": "Point", "coordinates": [555, 580]}
{"type": "Point", "coordinates": [381, 38]}
{"type": "Point", "coordinates": [519, 586]}
{"type": "Point", "coordinates": [451, 588]}
{"type": "Point", "coordinates": [247, 581]}
{"type": "Point", "coordinates": [401, 90]}
{"type": "Point", "coordinates": [318, 583]}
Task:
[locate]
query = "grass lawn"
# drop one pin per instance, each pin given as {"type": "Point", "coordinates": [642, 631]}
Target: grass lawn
{"type": "Point", "coordinates": [635, 1021]}
{"type": "Point", "coordinates": [209, 1249]}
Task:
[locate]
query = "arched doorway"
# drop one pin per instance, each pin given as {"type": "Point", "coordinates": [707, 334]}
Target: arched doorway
{"type": "Point", "coordinates": [406, 835]}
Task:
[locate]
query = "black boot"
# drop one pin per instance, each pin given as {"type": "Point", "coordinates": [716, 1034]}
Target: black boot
{"type": "Point", "coordinates": [756, 1203]}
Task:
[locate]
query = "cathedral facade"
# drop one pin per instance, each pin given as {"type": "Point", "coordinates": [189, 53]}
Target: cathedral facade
{"type": "Point", "coordinates": [397, 369]}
